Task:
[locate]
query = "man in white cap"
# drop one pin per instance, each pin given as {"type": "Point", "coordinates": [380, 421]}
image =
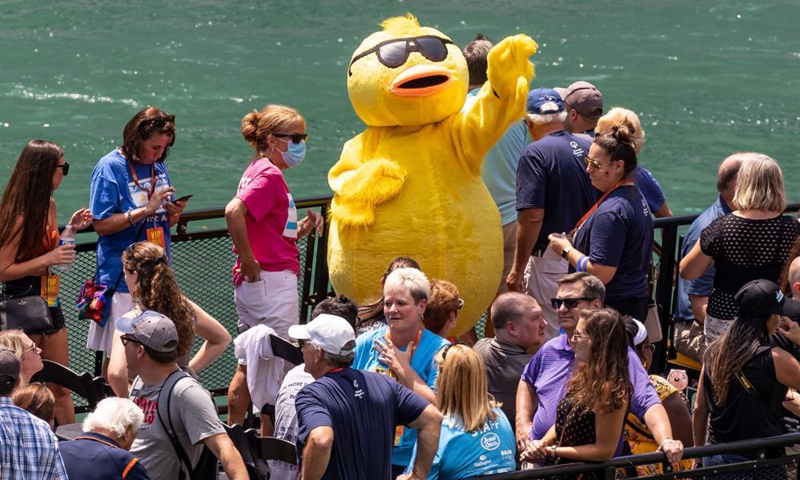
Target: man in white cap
{"type": "Point", "coordinates": [28, 448]}
{"type": "Point", "coordinates": [174, 404]}
{"type": "Point", "coordinates": [347, 418]}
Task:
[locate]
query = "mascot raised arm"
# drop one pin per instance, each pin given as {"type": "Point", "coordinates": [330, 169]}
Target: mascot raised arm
{"type": "Point", "coordinates": [410, 184]}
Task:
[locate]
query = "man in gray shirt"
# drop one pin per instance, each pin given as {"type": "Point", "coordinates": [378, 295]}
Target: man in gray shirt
{"type": "Point", "coordinates": [151, 341]}
{"type": "Point", "coordinates": [520, 330]}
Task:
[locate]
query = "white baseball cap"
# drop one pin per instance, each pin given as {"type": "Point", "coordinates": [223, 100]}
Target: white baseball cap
{"type": "Point", "coordinates": [330, 333]}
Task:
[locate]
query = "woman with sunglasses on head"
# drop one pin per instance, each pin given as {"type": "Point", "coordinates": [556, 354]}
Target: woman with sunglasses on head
{"type": "Point", "coordinates": [262, 221]}
{"type": "Point", "coordinates": [131, 201]}
{"type": "Point", "coordinates": [476, 437]}
{"type": "Point", "coordinates": [638, 436]}
{"type": "Point", "coordinates": [29, 245]}
{"type": "Point", "coordinates": [589, 418]}
{"type": "Point", "coordinates": [614, 239]}
{"type": "Point", "coordinates": [404, 349]}
{"type": "Point", "coordinates": [151, 282]}
{"type": "Point", "coordinates": [441, 312]}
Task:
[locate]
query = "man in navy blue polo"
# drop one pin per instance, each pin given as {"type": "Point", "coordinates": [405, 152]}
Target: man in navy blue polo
{"type": "Point", "coordinates": [553, 192]}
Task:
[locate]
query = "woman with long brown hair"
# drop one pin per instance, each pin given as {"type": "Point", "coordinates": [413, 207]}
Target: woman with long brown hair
{"type": "Point", "coordinates": [29, 246]}
{"type": "Point", "coordinates": [590, 417]}
{"type": "Point", "coordinates": [131, 200]}
{"type": "Point", "coordinates": [152, 284]}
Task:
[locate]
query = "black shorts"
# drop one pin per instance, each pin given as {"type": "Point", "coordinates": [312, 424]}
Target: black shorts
{"type": "Point", "coordinates": [32, 285]}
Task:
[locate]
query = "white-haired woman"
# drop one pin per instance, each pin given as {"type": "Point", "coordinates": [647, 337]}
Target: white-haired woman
{"type": "Point", "coordinates": [101, 451]}
{"type": "Point", "coordinates": [751, 243]}
{"type": "Point", "coordinates": [403, 349]}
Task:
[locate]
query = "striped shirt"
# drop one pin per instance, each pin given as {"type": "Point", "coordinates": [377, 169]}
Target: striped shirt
{"type": "Point", "coordinates": [28, 448]}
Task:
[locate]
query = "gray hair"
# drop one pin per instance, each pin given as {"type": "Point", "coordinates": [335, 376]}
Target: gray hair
{"type": "Point", "coordinates": [414, 281]}
{"type": "Point", "coordinates": [338, 361]}
{"type": "Point", "coordinates": [115, 415]}
{"type": "Point", "coordinates": [540, 119]}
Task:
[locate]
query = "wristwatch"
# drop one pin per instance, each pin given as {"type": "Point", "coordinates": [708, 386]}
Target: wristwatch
{"type": "Point", "coordinates": [565, 253]}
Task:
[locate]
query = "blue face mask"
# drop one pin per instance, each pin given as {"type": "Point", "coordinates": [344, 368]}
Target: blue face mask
{"type": "Point", "coordinates": [295, 153]}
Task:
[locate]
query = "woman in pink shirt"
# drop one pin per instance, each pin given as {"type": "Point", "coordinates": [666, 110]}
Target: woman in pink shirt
{"type": "Point", "coordinates": [262, 221]}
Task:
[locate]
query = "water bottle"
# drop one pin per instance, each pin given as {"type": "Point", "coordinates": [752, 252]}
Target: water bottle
{"type": "Point", "coordinates": [67, 238]}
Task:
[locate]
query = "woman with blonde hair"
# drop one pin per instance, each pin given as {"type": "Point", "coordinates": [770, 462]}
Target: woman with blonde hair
{"type": "Point", "coordinates": [590, 416]}
{"type": "Point", "coordinates": [476, 437]}
{"type": "Point", "coordinates": [614, 239]}
{"type": "Point", "coordinates": [752, 242]}
{"type": "Point", "coordinates": [404, 349]}
{"type": "Point", "coordinates": [29, 355]}
{"type": "Point", "coordinates": [262, 220]}
{"type": "Point", "coordinates": [644, 180]}
{"type": "Point", "coordinates": [152, 284]}
{"type": "Point", "coordinates": [370, 313]}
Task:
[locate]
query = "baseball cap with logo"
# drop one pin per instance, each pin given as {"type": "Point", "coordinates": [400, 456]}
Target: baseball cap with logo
{"type": "Point", "coordinates": [761, 298]}
{"type": "Point", "coordinates": [9, 365]}
{"type": "Point", "coordinates": [330, 333]}
{"type": "Point", "coordinates": [544, 101]}
{"type": "Point", "coordinates": [152, 329]}
{"type": "Point", "coordinates": [585, 98]}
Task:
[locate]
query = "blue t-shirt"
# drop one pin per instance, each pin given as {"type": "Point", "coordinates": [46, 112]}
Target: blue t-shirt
{"type": "Point", "coordinates": [499, 169]}
{"type": "Point", "coordinates": [423, 362]}
{"type": "Point", "coordinates": [701, 286]}
{"type": "Point", "coordinates": [363, 409]}
{"type": "Point", "coordinates": [463, 454]}
{"type": "Point", "coordinates": [113, 190]}
{"type": "Point", "coordinates": [552, 175]}
{"type": "Point", "coordinates": [649, 188]}
{"type": "Point", "coordinates": [620, 234]}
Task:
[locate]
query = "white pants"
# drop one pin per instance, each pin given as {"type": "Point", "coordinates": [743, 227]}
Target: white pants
{"type": "Point", "coordinates": [714, 327]}
{"type": "Point", "coordinates": [100, 338]}
{"type": "Point", "coordinates": [541, 275]}
{"type": "Point", "coordinates": [271, 301]}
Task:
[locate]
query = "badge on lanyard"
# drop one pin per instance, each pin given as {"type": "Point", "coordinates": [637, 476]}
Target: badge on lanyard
{"type": "Point", "coordinates": [49, 291]}
{"type": "Point", "coordinates": [398, 435]}
{"type": "Point", "coordinates": [156, 235]}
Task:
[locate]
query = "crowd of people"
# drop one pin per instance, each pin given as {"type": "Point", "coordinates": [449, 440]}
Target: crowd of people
{"type": "Point", "coordinates": [383, 392]}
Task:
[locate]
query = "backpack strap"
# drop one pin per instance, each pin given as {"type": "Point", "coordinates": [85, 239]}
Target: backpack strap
{"type": "Point", "coordinates": [169, 386]}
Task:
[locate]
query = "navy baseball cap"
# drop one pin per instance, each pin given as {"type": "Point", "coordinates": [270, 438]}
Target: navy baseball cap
{"type": "Point", "coordinates": [544, 101]}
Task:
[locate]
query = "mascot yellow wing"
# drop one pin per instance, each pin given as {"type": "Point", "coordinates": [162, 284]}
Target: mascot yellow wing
{"type": "Point", "coordinates": [500, 102]}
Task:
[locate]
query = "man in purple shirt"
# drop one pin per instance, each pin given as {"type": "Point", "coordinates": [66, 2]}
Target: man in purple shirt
{"type": "Point", "coordinates": [544, 380]}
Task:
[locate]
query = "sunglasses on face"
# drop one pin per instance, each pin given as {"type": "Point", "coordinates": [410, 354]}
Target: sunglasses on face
{"type": "Point", "coordinates": [296, 137]}
{"type": "Point", "coordinates": [570, 303]}
{"type": "Point", "coordinates": [65, 167]}
{"type": "Point", "coordinates": [395, 52]}
{"type": "Point", "coordinates": [460, 304]}
{"type": "Point", "coordinates": [125, 339]}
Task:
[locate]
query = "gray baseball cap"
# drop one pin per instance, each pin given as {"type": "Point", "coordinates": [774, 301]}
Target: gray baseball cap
{"type": "Point", "coordinates": [152, 329]}
{"type": "Point", "coordinates": [9, 364]}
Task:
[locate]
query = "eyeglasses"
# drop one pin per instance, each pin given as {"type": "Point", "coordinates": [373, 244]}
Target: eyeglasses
{"type": "Point", "coordinates": [125, 339]}
{"type": "Point", "coordinates": [395, 52]}
{"type": "Point", "coordinates": [161, 122]}
{"type": "Point", "coordinates": [303, 343]}
{"type": "Point", "coordinates": [32, 348]}
{"type": "Point", "coordinates": [578, 336]}
{"type": "Point", "coordinates": [156, 123]}
{"type": "Point", "coordinates": [594, 164]}
{"type": "Point", "coordinates": [65, 167]}
{"type": "Point", "coordinates": [460, 304]}
{"type": "Point", "coordinates": [296, 137]}
{"type": "Point", "coordinates": [570, 303]}
{"type": "Point", "coordinates": [448, 347]}
{"type": "Point", "coordinates": [650, 347]}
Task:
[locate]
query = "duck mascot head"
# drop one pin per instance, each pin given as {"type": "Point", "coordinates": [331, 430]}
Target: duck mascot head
{"type": "Point", "coordinates": [410, 184]}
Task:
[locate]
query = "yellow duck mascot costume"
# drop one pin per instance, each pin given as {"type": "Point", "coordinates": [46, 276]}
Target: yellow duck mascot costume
{"type": "Point", "coordinates": [410, 184]}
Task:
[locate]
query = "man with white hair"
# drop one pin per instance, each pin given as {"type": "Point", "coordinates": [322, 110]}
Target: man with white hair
{"type": "Point", "coordinates": [553, 192]}
{"type": "Point", "coordinates": [102, 451]}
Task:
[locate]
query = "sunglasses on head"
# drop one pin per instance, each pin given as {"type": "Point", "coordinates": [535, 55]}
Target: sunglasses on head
{"type": "Point", "coordinates": [156, 123]}
{"type": "Point", "coordinates": [296, 137]}
{"type": "Point", "coordinates": [395, 52]}
{"type": "Point", "coordinates": [570, 303]}
{"type": "Point", "coordinates": [448, 347]}
{"type": "Point", "coordinates": [65, 167]}
{"type": "Point", "coordinates": [460, 304]}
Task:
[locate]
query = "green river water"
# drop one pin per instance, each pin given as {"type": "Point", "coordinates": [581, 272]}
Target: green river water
{"type": "Point", "coordinates": [707, 77]}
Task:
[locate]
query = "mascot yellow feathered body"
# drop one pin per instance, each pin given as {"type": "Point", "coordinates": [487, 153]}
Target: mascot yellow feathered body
{"type": "Point", "coordinates": [410, 184]}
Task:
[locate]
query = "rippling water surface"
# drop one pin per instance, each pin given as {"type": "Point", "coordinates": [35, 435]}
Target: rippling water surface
{"type": "Point", "coordinates": [708, 78]}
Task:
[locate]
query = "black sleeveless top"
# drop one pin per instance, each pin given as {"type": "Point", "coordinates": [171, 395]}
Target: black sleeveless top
{"type": "Point", "coordinates": [748, 414]}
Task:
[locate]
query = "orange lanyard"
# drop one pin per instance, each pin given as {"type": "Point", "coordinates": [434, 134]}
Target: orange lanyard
{"type": "Point", "coordinates": [594, 207]}
{"type": "Point", "coordinates": [152, 178]}
{"type": "Point", "coordinates": [413, 347]}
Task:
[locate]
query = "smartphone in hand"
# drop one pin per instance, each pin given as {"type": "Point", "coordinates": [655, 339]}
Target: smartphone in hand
{"type": "Point", "coordinates": [183, 198]}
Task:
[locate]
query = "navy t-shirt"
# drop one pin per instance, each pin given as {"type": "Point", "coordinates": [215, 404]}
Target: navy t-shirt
{"type": "Point", "coordinates": [363, 409]}
{"type": "Point", "coordinates": [551, 175]}
{"type": "Point", "coordinates": [620, 234]}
